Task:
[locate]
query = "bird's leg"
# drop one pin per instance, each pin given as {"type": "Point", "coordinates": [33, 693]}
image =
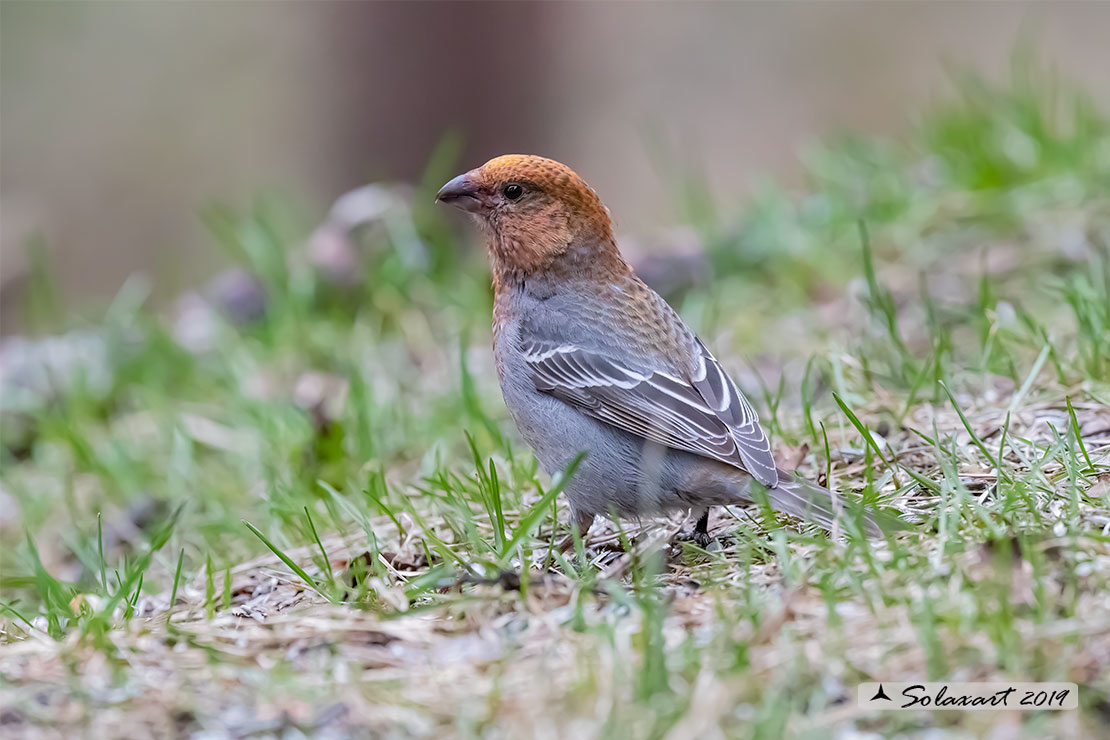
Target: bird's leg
{"type": "Point", "coordinates": [580, 524]}
{"type": "Point", "coordinates": [700, 535]}
{"type": "Point", "coordinates": [701, 529]}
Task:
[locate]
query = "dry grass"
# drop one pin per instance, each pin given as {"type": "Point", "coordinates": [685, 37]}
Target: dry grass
{"type": "Point", "coordinates": [491, 657]}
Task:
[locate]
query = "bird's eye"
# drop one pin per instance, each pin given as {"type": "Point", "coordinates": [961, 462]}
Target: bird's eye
{"type": "Point", "coordinates": [513, 192]}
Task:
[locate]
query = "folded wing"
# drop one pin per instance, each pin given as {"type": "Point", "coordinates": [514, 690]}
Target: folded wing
{"type": "Point", "coordinates": [704, 413]}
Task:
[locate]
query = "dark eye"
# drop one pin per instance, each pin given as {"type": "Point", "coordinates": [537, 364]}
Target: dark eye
{"type": "Point", "coordinates": [513, 192]}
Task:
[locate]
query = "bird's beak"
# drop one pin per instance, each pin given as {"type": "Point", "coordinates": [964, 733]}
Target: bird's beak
{"type": "Point", "coordinates": [461, 192]}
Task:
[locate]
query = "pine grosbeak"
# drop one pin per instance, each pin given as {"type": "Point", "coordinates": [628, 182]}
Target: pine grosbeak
{"type": "Point", "coordinates": [592, 359]}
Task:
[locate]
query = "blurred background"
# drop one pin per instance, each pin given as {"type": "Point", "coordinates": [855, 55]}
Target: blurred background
{"type": "Point", "coordinates": [120, 122]}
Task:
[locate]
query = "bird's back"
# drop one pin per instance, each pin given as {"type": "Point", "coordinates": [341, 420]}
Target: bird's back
{"type": "Point", "coordinates": [599, 316]}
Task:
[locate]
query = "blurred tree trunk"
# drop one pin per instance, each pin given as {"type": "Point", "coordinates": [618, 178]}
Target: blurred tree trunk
{"type": "Point", "coordinates": [477, 69]}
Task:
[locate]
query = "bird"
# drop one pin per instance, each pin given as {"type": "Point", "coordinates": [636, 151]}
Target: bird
{"type": "Point", "coordinates": [593, 361]}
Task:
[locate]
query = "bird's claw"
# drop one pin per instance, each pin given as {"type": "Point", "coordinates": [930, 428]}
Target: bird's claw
{"type": "Point", "coordinates": [702, 539]}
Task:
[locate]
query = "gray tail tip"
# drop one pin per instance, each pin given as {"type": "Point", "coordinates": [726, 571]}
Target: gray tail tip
{"type": "Point", "coordinates": [799, 497]}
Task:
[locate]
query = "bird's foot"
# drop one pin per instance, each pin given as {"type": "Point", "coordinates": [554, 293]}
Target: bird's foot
{"type": "Point", "coordinates": [702, 539]}
{"type": "Point", "coordinates": [700, 536]}
{"type": "Point", "coordinates": [580, 527]}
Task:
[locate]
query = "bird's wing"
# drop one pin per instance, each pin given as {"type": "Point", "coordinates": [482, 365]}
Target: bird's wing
{"type": "Point", "coordinates": [704, 414]}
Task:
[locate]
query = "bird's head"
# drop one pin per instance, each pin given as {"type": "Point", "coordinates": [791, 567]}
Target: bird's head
{"type": "Point", "coordinates": [536, 212]}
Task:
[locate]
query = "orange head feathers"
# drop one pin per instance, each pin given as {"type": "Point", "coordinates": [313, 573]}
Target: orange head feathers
{"type": "Point", "coordinates": [538, 215]}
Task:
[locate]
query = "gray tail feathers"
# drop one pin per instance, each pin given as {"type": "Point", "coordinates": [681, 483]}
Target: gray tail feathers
{"type": "Point", "coordinates": [798, 497]}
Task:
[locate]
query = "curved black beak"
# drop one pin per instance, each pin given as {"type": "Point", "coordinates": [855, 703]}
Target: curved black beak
{"type": "Point", "coordinates": [461, 192]}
